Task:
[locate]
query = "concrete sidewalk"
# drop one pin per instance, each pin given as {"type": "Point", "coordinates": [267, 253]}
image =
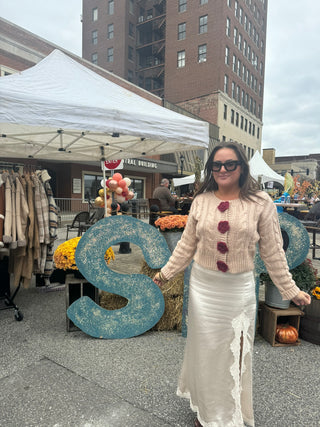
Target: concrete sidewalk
{"type": "Point", "coordinates": [51, 377]}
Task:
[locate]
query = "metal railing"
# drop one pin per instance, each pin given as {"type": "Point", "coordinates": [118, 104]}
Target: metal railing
{"type": "Point", "coordinates": [68, 208]}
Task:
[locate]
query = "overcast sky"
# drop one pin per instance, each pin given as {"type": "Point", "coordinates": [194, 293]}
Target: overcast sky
{"type": "Point", "coordinates": [292, 81]}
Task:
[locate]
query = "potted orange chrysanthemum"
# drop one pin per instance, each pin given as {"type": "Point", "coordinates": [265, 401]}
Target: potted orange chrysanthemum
{"type": "Point", "coordinates": [171, 227]}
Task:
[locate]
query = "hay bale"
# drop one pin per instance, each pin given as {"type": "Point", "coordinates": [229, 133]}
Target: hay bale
{"type": "Point", "coordinates": [173, 297]}
{"type": "Point", "coordinates": [172, 316]}
{"type": "Point", "coordinates": [112, 301]}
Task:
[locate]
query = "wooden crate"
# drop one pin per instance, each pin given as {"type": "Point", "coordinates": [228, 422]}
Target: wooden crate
{"type": "Point", "coordinates": [75, 289]}
{"type": "Point", "coordinates": [271, 317]}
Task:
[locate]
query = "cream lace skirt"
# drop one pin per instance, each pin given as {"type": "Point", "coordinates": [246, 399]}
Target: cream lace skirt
{"type": "Point", "coordinates": [216, 374]}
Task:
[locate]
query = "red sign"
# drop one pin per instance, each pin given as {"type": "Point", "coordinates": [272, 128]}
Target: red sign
{"type": "Point", "coordinates": [112, 164]}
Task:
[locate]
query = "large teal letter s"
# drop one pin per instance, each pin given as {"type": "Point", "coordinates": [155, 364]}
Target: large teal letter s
{"type": "Point", "coordinates": [145, 301]}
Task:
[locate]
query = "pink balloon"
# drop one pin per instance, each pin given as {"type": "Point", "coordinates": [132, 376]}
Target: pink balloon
{"type": "Point", "coordinates": [120, 199]}
{"type": "Point", "coordinates": [118, 190]}
{"type": "Point", "coordinates": [117, 176]}
{"type": "Point", "coordinates": [113, 184]}
{"type": "Point", "coordinates": [130, 195]}
{"type": "Point", "coordinates": [122, 183]}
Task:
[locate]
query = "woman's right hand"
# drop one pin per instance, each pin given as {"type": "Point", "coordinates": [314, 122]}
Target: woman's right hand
{"type": "Point", "coordinates": [159, 279]}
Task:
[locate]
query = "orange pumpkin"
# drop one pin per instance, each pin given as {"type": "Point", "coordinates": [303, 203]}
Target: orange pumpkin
{"type": "Point", "coordinates": [286, 334]}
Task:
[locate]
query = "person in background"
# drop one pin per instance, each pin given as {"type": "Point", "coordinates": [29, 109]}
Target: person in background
{"type": "Point", "coordinates": [163, 193]}
{"type": "Point", "coordinates": [228, 217]}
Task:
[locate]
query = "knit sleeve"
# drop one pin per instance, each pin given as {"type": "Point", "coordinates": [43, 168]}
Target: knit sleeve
{"type": "Point", "coordinates": [272, 253]}
{"type": "Point", "coordinates": [185, 249]}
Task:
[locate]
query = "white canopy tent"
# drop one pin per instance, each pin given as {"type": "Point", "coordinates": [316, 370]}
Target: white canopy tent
{"type": "Point", "coordinates": [258, 168]}
{"type": "Point", "coordinates": [61, 110]}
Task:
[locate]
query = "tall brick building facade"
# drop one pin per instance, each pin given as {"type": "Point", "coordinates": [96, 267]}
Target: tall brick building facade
{"type": "Point", "coordinates": [206, 56]}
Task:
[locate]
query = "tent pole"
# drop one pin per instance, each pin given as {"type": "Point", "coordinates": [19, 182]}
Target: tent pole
{"type": "Point", "coordinates": [104, 188]}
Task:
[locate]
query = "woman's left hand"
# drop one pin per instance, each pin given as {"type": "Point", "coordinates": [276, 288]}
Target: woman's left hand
{"type": "Point", "coordinates": [302, 298]}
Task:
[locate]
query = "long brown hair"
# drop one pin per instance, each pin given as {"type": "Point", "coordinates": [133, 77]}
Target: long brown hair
{"type": "Point", "coordinates": [248, 185]}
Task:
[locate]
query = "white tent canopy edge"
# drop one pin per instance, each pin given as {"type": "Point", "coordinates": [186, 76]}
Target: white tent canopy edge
{"type": "Point", "coordinates": [258, 168]}
{"type": "Point", "coordinates": [61, 110]}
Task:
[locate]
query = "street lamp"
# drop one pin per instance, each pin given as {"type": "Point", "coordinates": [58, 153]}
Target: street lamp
{"type": "Point", "coordinates": [181, 163]}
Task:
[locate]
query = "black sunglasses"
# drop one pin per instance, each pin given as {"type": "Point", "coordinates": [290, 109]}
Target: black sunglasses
{"type": "Point", "coordinates": [230, 165]}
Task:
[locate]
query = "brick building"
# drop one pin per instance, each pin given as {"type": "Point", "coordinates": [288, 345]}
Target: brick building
{"type": "Point", "coordinates": [205, 56]}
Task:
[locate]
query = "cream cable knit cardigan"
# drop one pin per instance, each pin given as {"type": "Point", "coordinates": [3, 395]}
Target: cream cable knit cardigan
{"type": "Point", "coordinates": [249, 223]}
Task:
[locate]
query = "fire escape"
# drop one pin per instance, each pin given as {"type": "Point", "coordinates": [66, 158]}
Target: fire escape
{"type": "Point", "coordinates": [150, 47]}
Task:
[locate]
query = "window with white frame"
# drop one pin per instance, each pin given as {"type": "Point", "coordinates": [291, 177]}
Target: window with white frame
{"type": "Point", "coordinates": [131, 7]}
{"type": "Point", "coordinates": [203, 1]}
{"type": "Point", "coordinates": [225, 112]}
{"type": "Point", "coordinates": [228, 27]}
{"type": "Point", "coordinates": [236, 8]}
{"type": "Point", "coordinates": [95, 14]}
{"type": "Point", "coordinates": [232, 116]}
{"type": "Point", "coordinates": [94, 37]}
{"type": "Point", "coordinates": [239, 68]}
{"type": "Point", "coordinates": [233, 90]}
{"type": "Point", "coordinates": [202, 53]}
{"type": "Point", "coordinates": [234, 63]}
{"type": "Point", "coordinates": [240, 41]}
{"type": "Point", "coordinates": [110, 31]}
{"type": "Point", "coordinates": [226, 83]}
{"type": "Point", "coordinates": [181, 58]}
{"type": "Point", "coordinates": [203, 24]}
{"type": "Point", "coordinates": [110, 7]}
{"type": "Point", "coordinates": [182, 31]}
{"type": "Point", "coordinates": [130, 76]}
{"type": "Point", "coordinates": [110, 54]}
{"type": "Point", "coordinates": [182, 5]}
{"type": "Point", "coordinates": [226, 58]}
{"type": "Point", "coordinates": [235, 36]}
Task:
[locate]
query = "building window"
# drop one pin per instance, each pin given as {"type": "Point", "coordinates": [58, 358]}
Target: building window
{"type": "Point", "coordinates": [131, 29]}
{"type": "Point", "coordinates": [182, 31]}
{"type": "Point", "coordinates": [236, 8]}
{"type": "Point", "coordinates": [232, 116]}
{"type": "Point", "coordinates": [240, 42]}
{"type": "Point", "coordinates": [94, 58]}
{"type": "Point", "coordinates": [241, 122]}
{"type": "Point", "coordinates": [203, 1]}
{"type": "Point", "coordinates": [182, 5]}
{"type": "Point", "coordinates": [253, 129]}
{"type": "Point", "coordinates": [110, 54]}
{"type": "Point", "coordinates": [250, 128]}
{"type": "Point", "coordinates": [130, 76]}
{"type": "Point", "coordinates": [130, 53]}
{"type": "Point", "coordinates": [110, 31]}
{"type": "Point", "coordinates": [228, 27]}
{"type": "Point", "coordinates": [131, 7]}
{"type": "Point", "coordinates": [233, 90]}
{"type": "Point", "coordinates": [203, 24]}
{"type": "Point", "coordinates": [242, 97]}
{"type": "Point", "coordinates": [229, 3]}
{"type": "Point", "coordinates": [225, 112]}
{"type": "Point", "coordinates": [148, 83]}
{"type": "Point", "coordinates": [226, 59]}
{"type": "Point", "coordinates": [258, 133]}
{"type": "Point", "coordinates": [94, 37]}
{"type": "Point", "coordinates": [234, 63]}
{"type": "Point", "coordinates": [91, 185]}
{"type": "Point", "coordinates": [241, 15]}
{"type": "Point", "coordinates": [235, 36]}
{"type": "Point", "coordinates": [239, 68]}
{"type": "Point", "coordinates": [181, 59]}
{"type": "Point", "coordinates": [110, 7]}
{"type": "Point", "coordinates": [202, 53]}
{"type": "Point", "coordinates": [226, 83]}
{"type": "Point", "coordinates": [95, 14]}
{"type": "Point", "coordinates": [245, 125]}
{"type": "Point", "coordinates": [237, 119]}
{"type": "Point", "coordinates": [238, 94]}
{"type": "Point", "coordinates": [149, 14]}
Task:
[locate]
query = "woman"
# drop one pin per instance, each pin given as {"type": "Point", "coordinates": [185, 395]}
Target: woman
{"type": "Point", "coordinates": [228, 217]}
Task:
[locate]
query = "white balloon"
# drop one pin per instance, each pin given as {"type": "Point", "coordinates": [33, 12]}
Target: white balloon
{"type": "Point", "coordinates": [128, 181]}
